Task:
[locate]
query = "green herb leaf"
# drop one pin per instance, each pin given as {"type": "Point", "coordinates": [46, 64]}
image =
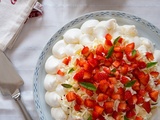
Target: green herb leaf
{"type": "Point", "coordinates": [90, 118]}
{"type": "Point", "coordinates": [125, 118]}
{"type": "Point", "coordinates": [66, 85]}
{"type": "Point", "coordinates": [151, 64]}
{"type": "Point", "coordinates": [113, 70]}
{"type": "Point", "coordinates": [130, 83]}
{"type": "Point", "coordinates": [71, 70]}
{"type": "Point", "coordinates": [134, 52]}
{"type": "Point", "coordinates": [110, 52]}
{"type": "Point", "coordinates": [116, 40]}
{"type": "Point", "coordinates": [88, 86]}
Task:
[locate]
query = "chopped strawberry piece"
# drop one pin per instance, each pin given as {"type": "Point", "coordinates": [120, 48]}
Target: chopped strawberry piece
{"type": "Point", "coordinates": [154, 74]}
{"type": "Point", "coordinates": [136, 86]}
{"type": "Point", "coordinates": [108, 62]}
{"type": "Point", "coordinates": [89, 103]}
{"type": "Point", "coordinates": [112, 80]}
{"type": "Point", "coordinates": [100, 50]}
{"type": "Point", "coordinates": [100, 76]}
{"type": "Point", "coordinates": [90, 56]}
{"type": "Point", "coordinates": [67, 60]}
{"type": "Point", "coordinates": [116, 115]}
{"type": "Point", "coordinates": [60, 72]}
{"type": "Point", "coordinates": [143, 78]}
{"type": "Point", "coordinates": [116, 96]}
{"type": "Point", "coordinates": [108, 106]}
{"type": "Point", "coordinates": [71, 96]}
{"type": "Point", "coordinates": [139, 118]}
{"type": "Point", "coordinates": [141, 64]}
{"type": "Point", "coordinates": [129, 47]}
{"type": "Point", "coordinates": [133, 100]}
{"type": "Point", "coordinates": [140, 99]}
{"type": "Point", "coordinates": [79, 100]}
{"type": "Point", "coordinates": [124, 69]}
{"type": "Point", "coordinates": [98, 109]}
{"type": "Point", "coordinates": [93, 62]}
{"type": "Point", "coordinates": [130, 113]}
{"type": "Point", "coordinates": [77, 107]}
{"type": "Point", "coordinates": [89, 92]}
{"type": "Point", "coordinates": [116, 63]}
{"type": "Point", "coordinates": [102, 97]}
{"type": "Point", "coordinates": [108, 37]}
{"type": "Point", "coordinates": [124, 79]}
{"type": "Point", "coordinates": [122, 106]}
{"type": "Point", "coordinates": [103, 86]}
{"type": "Point", "coordinates": [85, 50]}
{"type": "Point", "coordinates": [118, 55]}
{"type": "Point", "coordinates": [149, 56]}
{"type": "Point", "coordinates": [86, 75]}
{"type": "Point", "coordinates": [148, 88]}
{"type": "Point", "coordinates": [147, 106]}
{"type": "Point", "coordinates": [127, 95]}
{"type": "Point", "coordinates": [154, 95]}
{"type": "Point", "coordinates": [79, 75]}
{"type": "Point", "coordinates": [117, 49]}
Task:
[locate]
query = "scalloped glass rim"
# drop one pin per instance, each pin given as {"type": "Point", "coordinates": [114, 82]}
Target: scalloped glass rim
{"type": "Point", "coordinates": [145, 29]}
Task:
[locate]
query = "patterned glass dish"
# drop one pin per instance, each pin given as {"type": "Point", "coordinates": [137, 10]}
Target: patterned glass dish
{"type": "Point", "coordinates": [145, 29]}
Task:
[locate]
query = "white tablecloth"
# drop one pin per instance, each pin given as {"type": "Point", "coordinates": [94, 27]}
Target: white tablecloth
{"type": "Point", "coordinates": [37, 31]}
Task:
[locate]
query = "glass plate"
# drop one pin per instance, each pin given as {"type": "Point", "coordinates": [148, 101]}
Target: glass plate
{"type": "Point", "coordinates": [145, 29]}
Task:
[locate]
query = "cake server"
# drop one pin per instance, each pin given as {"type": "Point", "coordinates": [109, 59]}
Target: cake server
{"type": "Point", "coordinates": [10, 82]}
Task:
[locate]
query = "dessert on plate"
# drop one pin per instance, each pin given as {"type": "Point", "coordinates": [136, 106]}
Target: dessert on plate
{"type": "Point", "coordinates": [103, 71]}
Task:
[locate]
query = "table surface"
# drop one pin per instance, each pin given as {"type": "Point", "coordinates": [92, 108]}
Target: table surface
{"type": "Point", "coordinates": [37, 31]}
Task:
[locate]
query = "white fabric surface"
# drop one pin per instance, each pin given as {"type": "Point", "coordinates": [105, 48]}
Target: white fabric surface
{"type": "Point", "coordinates": [13, 17]}
{"type": "Point", "coordinates": [37, 31]}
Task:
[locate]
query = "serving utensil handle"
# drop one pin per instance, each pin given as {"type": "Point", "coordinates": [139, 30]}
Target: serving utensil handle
{"type": "Point", "coordinates": [22, 107]}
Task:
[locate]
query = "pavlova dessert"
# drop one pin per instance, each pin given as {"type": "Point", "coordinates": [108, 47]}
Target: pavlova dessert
{"type": "Point", "coordinates": [103, 71]}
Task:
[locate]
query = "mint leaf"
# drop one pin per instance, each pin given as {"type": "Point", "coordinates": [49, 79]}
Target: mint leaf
{"type": "Point", "coordinates": [151, 64]}
{"type": "Point", "coordinates": [116, 40]}
{"type": "Point", "coordinates": [110, 52]}
{"type": "Point", "coordinates": [134, 52]}
{"type": "Point", "coordinates": [66, 85]}
{"type": "Point", "coordinates": [88, 86]}
{"type": "Point", "coordinates": [71, 70]}
{"type": "Point", "coordinates": [130, 83]}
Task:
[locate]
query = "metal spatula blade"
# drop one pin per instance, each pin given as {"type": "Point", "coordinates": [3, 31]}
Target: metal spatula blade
{"type": "Point", "coordinates": [10, 82]}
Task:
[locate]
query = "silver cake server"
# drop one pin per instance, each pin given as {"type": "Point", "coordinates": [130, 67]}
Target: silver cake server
{"type": "Point", "coordinates": [10, 82]}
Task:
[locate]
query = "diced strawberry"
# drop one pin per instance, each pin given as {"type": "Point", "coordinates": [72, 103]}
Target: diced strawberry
{"type": "Point", "coordinates": [122, 106]}
{"type": "Point", "coordinates": [143, 78]}
{"type": "Point", "coordinates": [124, 80]}
{"type": "Point", "coordinates": [102, 97]}
{"type": "Point", "coordinates": [127, 95]}
{"type": "Point", "coordinates": [139, 118]}
{"type": "Point", "coordinates": [100, 76]}
{"type": "Point", "coordinates": [71, 96]}
{"type": "Point", "coordinates": [79, 100]}
{"type": "Point", "coordinates": [108, 36]}
{"type": "Point", "coordinates": [85, 50]}
{"type": "Point", "coordinates": [129, 47]}
{"type": "Point", "coordinates": [98, 109]}
{"type": "Point", "coordinates": [154, 74]}
{"type": "Point", "coordinates": [120, 91]}
{"type": "Point", "coordinates": [100, 50]}
{"type": "Point", "coordinates": [124, 69]}
{"type": "Point", "coordinates": [117, 49]}
{"type": "Point", "coordinates": [140, 99]}
{"type": "Point", "coordinates": [148, 88]}
{"type": "Point", "coordinates": [77, 107]}
{"type": "Point", "coordinates": [136, 86]}
{"type": "Point", "coordinates": [116, 115]}
{"type": "Point", "coordinates": [147, 106]}
{"type": "Point", "coordinates": [67, 60]}
{"type": "Point", "coordinates": [118, 55]}
{"type": "Point", "coordinates": [93, 62]}
{"type": "Point", "coordinates": [130, 114]}
{"type": "Point", "coordinates": [116, 96]}
{"type": "Point", "coordinates": [142, 92]}
{"type": "Point", "coordinates": [106, 69]}
{"type": "Point", "coordinates": [89, 92]}
{"type": "Point", "coordinates": [86, 75]}
{"type": "Point", "coordinates": [108, 62]}
{"type": "Point", "coordinates": [60, 72]}
{"type": "Point", "coordinates": [154, 95]}
{"type": "Point", "coordinates": [108, 106]}
{"type": "Point", "coordinates": [89, 103]}
{"type": "Point", "coordinates": [149, 56]}
{"type": "Point", "coordinates": [79, 75]}
{"type": "Point", "coordinates": [141, 64]}
{"type": "Point", "coordinates": [133, 100]}
{"type": "Point", "coordinates": [157, 82]}
{"type": "Point", "coordinates": [103, 86]}
{"type": "Point", "coordinates": [116, 63]}
{"type": "Point", "coordinates": [112, 80]}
